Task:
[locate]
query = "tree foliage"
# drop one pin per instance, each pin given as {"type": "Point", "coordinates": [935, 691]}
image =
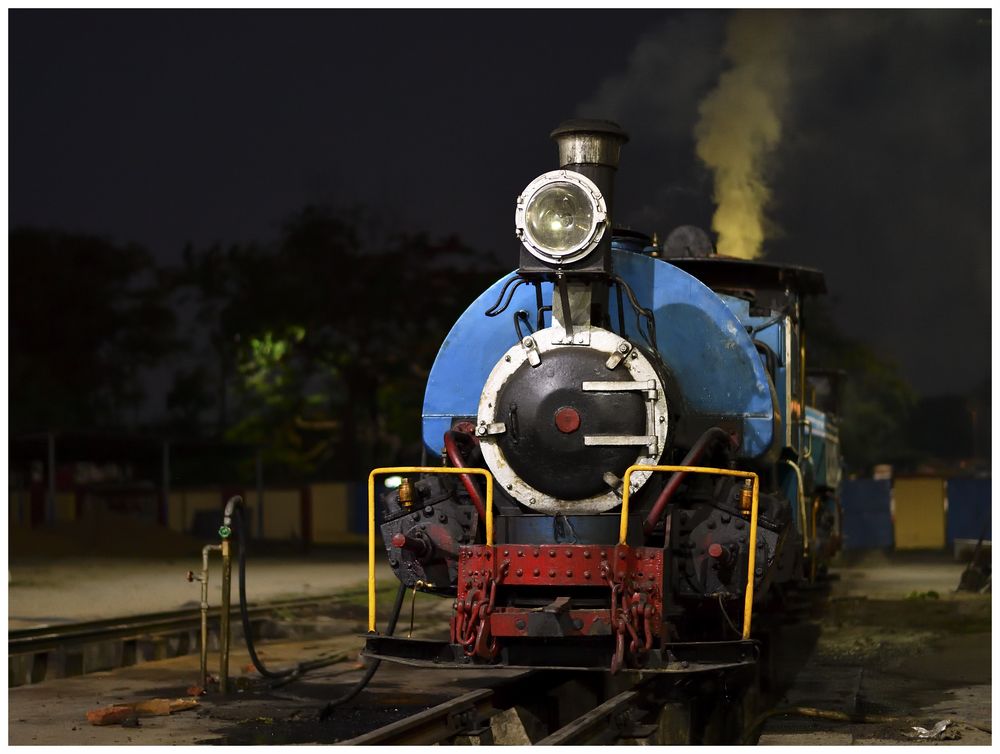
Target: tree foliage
{"type": "Point", "coordinates": [876, 402]}
{"type": "Point", "coordinates": [86, 315]}
{"type": "Point", "coordinates": [329, 335]}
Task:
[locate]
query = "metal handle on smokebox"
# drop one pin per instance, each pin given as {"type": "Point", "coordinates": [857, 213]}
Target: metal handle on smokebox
{"type": "Point", "coordinates": [752, 558]}
{"type": "Point", "coordinates": [371, 516]}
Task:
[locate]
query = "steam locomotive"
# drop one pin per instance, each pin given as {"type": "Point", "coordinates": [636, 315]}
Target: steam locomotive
{"type": "Point", "coordinates": [635, 460]}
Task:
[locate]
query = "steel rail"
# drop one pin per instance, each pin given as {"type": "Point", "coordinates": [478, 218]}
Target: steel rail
{"type": "Point", "coordinates": [48, 637]}
{"type": "Point", "coordinates": [471, 712]}
{"type": "Point", "coordinates": [579, 730]}
{"type": "Point", "coordinates": [433, 725]}
{"type": "Point", "coordinates": [632, 713]}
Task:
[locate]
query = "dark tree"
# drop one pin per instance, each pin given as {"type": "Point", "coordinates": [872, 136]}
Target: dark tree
{"type": "Point", "coordinates": [876, 403]}
{"type": "Point", "coordinates": [85, 316]}
{"type": "Point", "coordinates": [189, 399]}
{"type": "Point", "coordinates": [333, 331]}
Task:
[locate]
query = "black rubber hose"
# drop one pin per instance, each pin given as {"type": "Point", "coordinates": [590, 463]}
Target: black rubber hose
{"type": "Point", "coordinates": [289, 674]}
{"type": "Point", "coordinates": [241, 533]}
{"type": "Point", "coordinates": [358, 687]}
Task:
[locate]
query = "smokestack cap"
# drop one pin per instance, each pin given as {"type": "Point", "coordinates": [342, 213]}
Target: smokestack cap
{"type": "Point", "coordinates": [584, 141]}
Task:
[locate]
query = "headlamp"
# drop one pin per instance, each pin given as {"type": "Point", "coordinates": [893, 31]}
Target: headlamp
{"type": "Point", "coordinates": [561, 216]}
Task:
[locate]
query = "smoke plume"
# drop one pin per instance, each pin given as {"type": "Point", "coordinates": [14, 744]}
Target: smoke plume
{"type": "Point", "coordinates": [740, 125]}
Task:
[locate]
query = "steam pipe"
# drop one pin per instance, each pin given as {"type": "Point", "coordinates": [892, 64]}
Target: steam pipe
{"type": "Point", "coordinates": [224, 631]}
{"type": "Point", "coordinates": [455, 456]}
{"type": "Point", "coordinates": [227, 583]}
{"type": "Point", "coordinates": [204, 611]}
{"type": "Point", "coordinates": [227, 514]}
{"type": "Point", "coordinates": [800, 491]}
{"type": "Point", "coordinates": [691, 459]}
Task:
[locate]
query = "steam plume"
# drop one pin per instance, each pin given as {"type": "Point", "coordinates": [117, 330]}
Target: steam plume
{"type": "Point", "coordinates": [740, 125]}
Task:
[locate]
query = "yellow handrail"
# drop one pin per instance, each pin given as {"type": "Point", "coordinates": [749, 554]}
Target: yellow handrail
{"type": "Point", "coordinates": [751, 563]}
{"type": "Point", "coordinates": [371, 516]}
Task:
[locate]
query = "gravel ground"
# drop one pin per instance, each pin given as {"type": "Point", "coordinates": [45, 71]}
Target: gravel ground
{"type": "Point", "coordinates": [893, 639]}
{"type": "Point", "coordinates": [53, 712]}
{"type": "Point", "coordinates": [877, 574]}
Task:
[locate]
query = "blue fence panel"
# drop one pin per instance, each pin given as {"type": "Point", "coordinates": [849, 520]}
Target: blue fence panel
{"type": "Point", "coordinates": [867, 514]}
{"type": "Point", "coordinates": [969, 509]}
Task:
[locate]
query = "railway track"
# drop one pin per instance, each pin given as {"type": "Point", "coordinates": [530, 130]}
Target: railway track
{"type": "Point", "coordinates": [557, 706]}
{"type": "Point", "coordinates": [549, 707]}
{"type": "Point", "coordinates": [704, 708]}
{"type": "Point", "coordinates": [566, 708]}
{"type": "Point", "coordinates": [58, 651]}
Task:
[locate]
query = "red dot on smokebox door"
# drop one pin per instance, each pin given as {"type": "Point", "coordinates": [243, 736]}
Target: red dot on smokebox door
{"type": "Point", "coordinates": [567, 420]}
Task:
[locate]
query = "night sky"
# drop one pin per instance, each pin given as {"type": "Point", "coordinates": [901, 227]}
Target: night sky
{"type": "Point", "coordinates": [169, 127]}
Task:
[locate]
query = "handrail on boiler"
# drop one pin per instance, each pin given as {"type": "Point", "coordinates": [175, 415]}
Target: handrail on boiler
{"type": "Point", "coordinates": [751, 562]}
{"type": "Point", "coordinates": [371, 516]}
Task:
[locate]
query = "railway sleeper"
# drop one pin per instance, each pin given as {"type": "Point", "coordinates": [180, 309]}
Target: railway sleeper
{"type": "Point", "coordinates": [547, 709]}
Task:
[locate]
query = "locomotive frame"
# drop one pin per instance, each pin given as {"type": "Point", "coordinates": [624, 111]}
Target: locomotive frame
{"type": "Point", "coordinates": [622, 567]}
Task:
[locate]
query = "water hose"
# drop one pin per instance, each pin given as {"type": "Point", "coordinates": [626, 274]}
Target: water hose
{"type": "Point", "coordinates": [235, 509]}
{"type": "Point", "coordinates": [358, 687]}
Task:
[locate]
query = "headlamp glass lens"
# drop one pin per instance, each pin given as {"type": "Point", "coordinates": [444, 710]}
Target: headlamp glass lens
{"type": "Point", "coordinates": [560, 217]}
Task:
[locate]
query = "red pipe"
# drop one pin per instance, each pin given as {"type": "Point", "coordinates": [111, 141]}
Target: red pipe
{"type": "Point", "coordinates": [692, 458]}
{"type": "Point", "coordinates": [455, 456]}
